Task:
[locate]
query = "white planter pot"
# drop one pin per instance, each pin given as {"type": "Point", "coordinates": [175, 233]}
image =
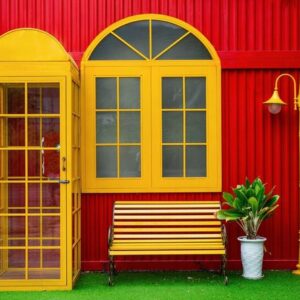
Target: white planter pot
{"type": "Point", "coordinates": [252, 254]}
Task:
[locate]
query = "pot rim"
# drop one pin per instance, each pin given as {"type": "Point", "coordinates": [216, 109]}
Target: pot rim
{"type": "Point", "coordinates": [259, 239]}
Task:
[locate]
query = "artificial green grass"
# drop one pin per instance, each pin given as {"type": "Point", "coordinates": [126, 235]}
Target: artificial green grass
{"type": "Point", "coordinates": [172, 285]}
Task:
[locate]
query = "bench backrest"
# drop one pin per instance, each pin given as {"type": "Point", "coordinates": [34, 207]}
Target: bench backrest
{"type": "Point", "coordinates": [166, 220]}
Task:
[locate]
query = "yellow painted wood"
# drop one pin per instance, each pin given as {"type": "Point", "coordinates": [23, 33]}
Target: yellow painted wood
{"type": "Point", "coordinates": [124, 206]}
{"type": "Point", "coordinates": [170, 211]}
{"type": "Point", "coordinates": [183, 240]}
{"type": "Point", "coordinates": [166, 223]}
{"type": "Point", "coordinates": [167, 202]}
{"type": "Point", "coordinates": [167, 252]}
{"type": "Point", "coordinates": [164, 217]}
{"type": "Point", "coordinates": [175, 235]}
{"type": "Point", "coordinates": [170, 229]}
{"type": "Point", "coordinates": [170, 246]}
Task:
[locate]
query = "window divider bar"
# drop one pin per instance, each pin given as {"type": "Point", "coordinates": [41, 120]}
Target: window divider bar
{"type": "Point", "coordinates": [172, 45]}
{"type": "Point", "coordinates": [118, 127]}
{"type": "Point", "coordinates": [184, 127]}
{"type": "Point", "coordinates": [129, 46]}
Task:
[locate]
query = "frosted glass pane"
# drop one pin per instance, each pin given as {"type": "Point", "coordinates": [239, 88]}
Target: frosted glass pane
{"type": "Point", "coordinates": [130, 92]}
{"type": "Point", "coordinates": [172, 92]}
{"type": "Point", "coordinates": [195, 92]}
{"type": "Point", "coordinates": [172, 127]}
{"type": "Point", "coordinates": [106, 93]}
{"type": "Point", "coordinates": [129, 127]}
{"type": "Point", "coordinates": [130, 161]}
{"type": "Point", "coordinates": [106, 127]}
{"type": "Point", "coordinates": [137, 35]}
{"type": "Point", "coordinates": [196, 127]}
{"type": "Point", "coordinates": [106, 161]}
{"type": "Point", "coordinates": [188, 48]}
{"type": "Point", "coordinates": [172, 161]}
{"type": "Point", "coordinates": [163, 35]}
{"type": "Point", "coordinates": [110, 48]}
{"type": "Point", "coordinates": [196, 161]}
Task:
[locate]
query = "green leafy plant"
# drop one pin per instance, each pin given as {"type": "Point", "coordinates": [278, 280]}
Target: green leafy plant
{"type": "Point", "coordinates": [249, 206]}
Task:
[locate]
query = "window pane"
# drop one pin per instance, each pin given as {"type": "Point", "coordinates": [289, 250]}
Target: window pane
{"type": "Point", "coordinates": [130, 161]}
{"type": "Point", "coordinates": [106, 161]}
{"type": "Point", "coordinates": [172, 127]}
{"type": "Point", "coordinates": [130, 92]}
{"type": "Point", "coordinates": [15, 163]}
{"type": "Point", "coordinates": [16, 100]}
{"type": "Point", "coordinates": [196, 161]}
{"type": "Point", "coordinates": [50, 100]}
{"type": "Point", "coordinates": [172, 161]}
{"type": "Point", "coordinates": [16, 131]}
{"type": "Point", "coordinates": [34, 100]}
{"type": "Point", "coordinates": [163, 35]}
{"type": "Point", "coordinates": [195, 89]}
{"type": "Point", "coordinates": [137, 35]}
{"type": "Point", "coordinates": [106, 127]}
{"type": "Point", "coordinates": [110, 48]}
{"type": "Point", "coordinates": [106, 93]}
{"type": "Point", "coordinates": [188, 48]}
{"type": "Point", "coordinates": [129, 127]}
{"type": "Point", "coordinates": [196, 127]}
{"type": "Point", "coordinates": [172, 92]}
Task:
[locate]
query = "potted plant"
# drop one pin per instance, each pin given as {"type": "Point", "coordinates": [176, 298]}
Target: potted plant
{"type": "Point", "coordinates": [249, 206]}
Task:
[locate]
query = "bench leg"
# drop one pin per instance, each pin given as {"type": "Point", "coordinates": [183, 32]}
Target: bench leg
{"type": "Point", "coordinates": [111, 271]}
{"type": "Point", "coordinates": [223, 268]}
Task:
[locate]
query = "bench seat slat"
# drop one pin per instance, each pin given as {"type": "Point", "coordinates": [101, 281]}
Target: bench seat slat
{"type": "Point", "coordinates": [204, 240]}
{"type": "Point", "coordinates": [165, 217]}
{"type": "Point", "coordinates": [169, 229]}
{"type": "Point", "coordinates": [150, 236]}
{"type": "Point", "coordinates": [168, 252]}
{"type": "Point", "coordinates": [167, 202]}
{"type": "Point", "coordinates": [170, 246]}
{"type": "Point", "coordinates": [166, 223]}
{"type": "Point", "coordinates": [191, 205]}
{"type": "Point", "coordinates": [159, 211]}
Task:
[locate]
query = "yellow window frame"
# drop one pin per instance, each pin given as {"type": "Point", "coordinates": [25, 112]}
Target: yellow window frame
{"type": "Point", "coordinates": [151, 130]}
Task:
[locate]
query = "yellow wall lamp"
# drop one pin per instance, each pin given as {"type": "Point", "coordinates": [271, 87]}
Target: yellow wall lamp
{"type": "Point", "coordinates": [274, 105]}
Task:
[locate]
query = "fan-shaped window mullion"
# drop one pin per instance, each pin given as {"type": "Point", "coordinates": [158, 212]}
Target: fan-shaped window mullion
{"type": "Point", "coordinates": [137, 35]}
{"type": "Point", "coordinates": [187, 47]}
{"type": "Point", "coordinates": [113, 48]}
{"type": "Point", "coordinates": [171, 46]}
{"type": "Point", "coordinates": [129, 45]}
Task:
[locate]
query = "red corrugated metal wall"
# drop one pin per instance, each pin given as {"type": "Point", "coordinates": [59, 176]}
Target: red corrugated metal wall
{"type": "Point", "coordinates": [256, 40]}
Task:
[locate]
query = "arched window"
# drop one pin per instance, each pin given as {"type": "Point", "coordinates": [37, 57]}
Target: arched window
{"type": "Point", "coordinates": [151, 104]}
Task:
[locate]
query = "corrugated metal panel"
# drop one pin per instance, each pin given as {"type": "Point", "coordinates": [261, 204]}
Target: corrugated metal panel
{"type": "Point", "coordinates": [254, 142]}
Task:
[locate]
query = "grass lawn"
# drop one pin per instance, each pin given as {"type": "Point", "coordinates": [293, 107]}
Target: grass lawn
{"type": "Point", "coordinates": [173, 285]}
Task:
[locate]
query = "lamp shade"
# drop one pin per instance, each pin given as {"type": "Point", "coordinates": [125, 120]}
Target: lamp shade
{"type": "Point", "coordinates": [274, 103]}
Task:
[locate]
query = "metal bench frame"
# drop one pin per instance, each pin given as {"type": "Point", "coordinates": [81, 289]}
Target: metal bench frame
{"type": "Point", "coordinates": [176, 213]}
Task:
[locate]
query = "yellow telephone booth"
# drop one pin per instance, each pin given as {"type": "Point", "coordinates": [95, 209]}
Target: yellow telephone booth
{"type": "Point", "coordinates": [40, 203]}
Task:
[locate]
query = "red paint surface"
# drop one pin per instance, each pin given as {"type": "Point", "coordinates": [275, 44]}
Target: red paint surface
{"type": "Point", "coordinates": [256, 40]}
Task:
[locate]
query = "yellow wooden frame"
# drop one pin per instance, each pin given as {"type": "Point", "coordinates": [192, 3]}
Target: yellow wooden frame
{"type": "Point", "coordinates": [33, 56]}
{"type": "Point", "coordinates": [152, 180]}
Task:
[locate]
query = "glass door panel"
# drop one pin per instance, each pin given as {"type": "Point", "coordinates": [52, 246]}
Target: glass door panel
{"type": "Point", "coordinates": [30, 204]}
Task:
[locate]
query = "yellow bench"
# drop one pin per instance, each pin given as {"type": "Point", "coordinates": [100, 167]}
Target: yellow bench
{"type": "Point", "coordinates": [166, 228]}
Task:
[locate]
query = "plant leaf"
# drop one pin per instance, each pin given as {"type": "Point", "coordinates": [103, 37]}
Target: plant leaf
{"type": "Point", "coordinates": [253, 203]}
{"type": "Point", "coordinates": [229, 198]}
